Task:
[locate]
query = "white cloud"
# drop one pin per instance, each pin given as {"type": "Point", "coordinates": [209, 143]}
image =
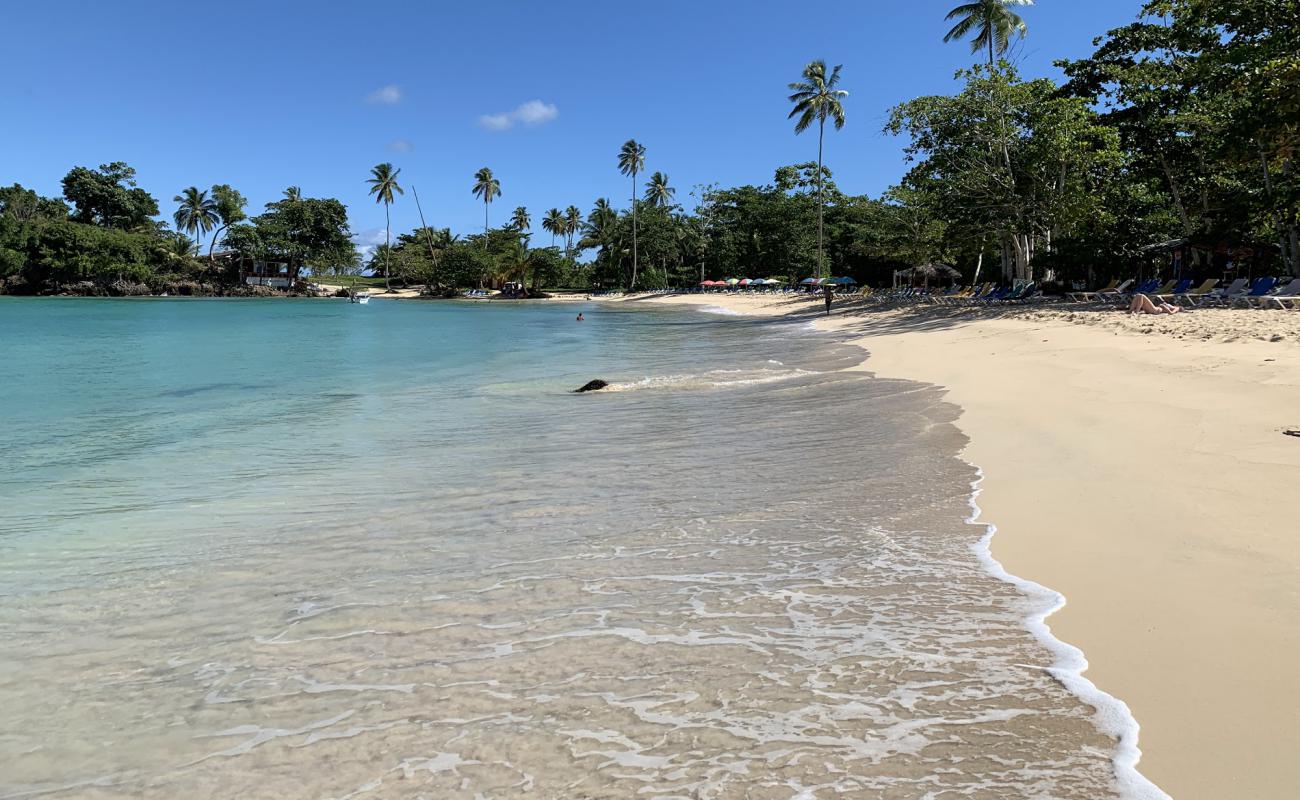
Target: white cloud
{"type": "Point", "coordinates": [389, 95]}
{"type": "Point", "coordinates": [534, 112]}
{"type": "Point", "coordinates": [366, 241]}
{"type": "Point", "coordinates": [401, 145]}
{"type": "Point", "coordinates": [496, 122]}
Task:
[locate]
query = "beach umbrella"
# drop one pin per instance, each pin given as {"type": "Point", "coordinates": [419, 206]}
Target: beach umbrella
{"type": "Point", "coordinates": [932, 270]}
{"type": "Point", "coordinates": [845, 281]}
{"type": "Point", "coordinates": [745, 281]}
{"type": "Point", "coordinates": [732, 281]}
{"type": "Point", "coordinates": [808, 282]}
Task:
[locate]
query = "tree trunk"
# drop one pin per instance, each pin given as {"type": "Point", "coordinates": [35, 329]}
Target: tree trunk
{"type": "Point", "coordinates": [428, 235]}
{"type": "Point", "coordinates": [212, 247]}
{"type": "Point", "coordinates": [821, 203]}
{"type": "Point", "coordinates": [1177, 195]}
{"type": "Point", "coordinates": [388, 227]}
{"type": "Point", "coordinates": [633, 286]}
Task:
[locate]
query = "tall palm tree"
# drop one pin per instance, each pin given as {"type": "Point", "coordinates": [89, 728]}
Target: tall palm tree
{"type": "Point", "coordinates": [230, 210]}
{"type": "Point", "coordinates": [572, 224]}
{"type": "Point", "coordinates": [553, 223]}
{"type": "Point", "coordinates": [631, 160]}
{"type": "Point", "coordinates": [994, 22]}
{"type": "Point", "coordinates": [488, 188]}
{"type": "Point", "coordinates": [657, 191]}
{"type": "Point", "coordinates": [816, 98]}
{"type": "Point", "coordinates": [520, 220]}
{"type": "Point", "coordinates": [293, 194]}
{"type": "Point", "coordinates": [383, 182]}
{"type": "Point", "coordinates": [197, 213]}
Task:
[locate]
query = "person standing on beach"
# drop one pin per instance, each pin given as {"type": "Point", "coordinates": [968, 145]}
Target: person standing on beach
{"type": "Point", "coordinates": [830, 296]}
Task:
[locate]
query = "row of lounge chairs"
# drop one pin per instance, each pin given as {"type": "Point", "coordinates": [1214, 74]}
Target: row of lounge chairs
{"type": "Point", "coordinates": [1258, 293]}
{"type": "Point", "coordinates": [983, 294]}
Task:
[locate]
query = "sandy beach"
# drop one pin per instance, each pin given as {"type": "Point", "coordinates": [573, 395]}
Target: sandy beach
{"type": "Point", "coordinates": [1139, 466]}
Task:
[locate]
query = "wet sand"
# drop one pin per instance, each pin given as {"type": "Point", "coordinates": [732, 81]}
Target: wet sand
{"type": "Point", "coordinates": [1140, 466]}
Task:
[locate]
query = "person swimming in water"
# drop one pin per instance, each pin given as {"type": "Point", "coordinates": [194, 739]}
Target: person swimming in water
{"type": "Point", "coordinates": [580, 319]}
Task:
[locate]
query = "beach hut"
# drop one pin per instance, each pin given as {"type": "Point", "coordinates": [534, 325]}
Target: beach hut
{"type": "Point", "coordinates": [927, 272]}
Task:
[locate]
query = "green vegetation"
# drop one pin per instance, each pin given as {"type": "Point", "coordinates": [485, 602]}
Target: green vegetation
{"type": "Point", "coordinates": [1181, 128]}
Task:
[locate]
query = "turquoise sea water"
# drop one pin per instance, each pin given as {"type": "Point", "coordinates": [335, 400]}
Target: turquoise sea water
{"type": "Point", "coordinates": [303, 548]}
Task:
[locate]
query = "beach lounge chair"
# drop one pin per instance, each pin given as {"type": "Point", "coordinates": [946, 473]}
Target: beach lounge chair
{"type": "Point", "coordinates": [1235, 289]}
{"type": "Point", "coordinates": [1077, 297]}
{"type": "Point", "coordinates": [1164, 288]}
{"type": "Point", "coordinates": [1192, 295]}
{"type": "Point", "coordinates": [980, 294]}
{"type": "Point", "coordinates": [1110, 294]}
{"type": "Point", "coordinates": [1258, 288]}
{"type": "Point", "coordinates": [1278, 297]}
{"type": "Point", "coordinates": [1178, 291]}
{"type": "Point", "coordinates": [1145, 287]}
{"type": "Point", "coordinates": [1022, 295]}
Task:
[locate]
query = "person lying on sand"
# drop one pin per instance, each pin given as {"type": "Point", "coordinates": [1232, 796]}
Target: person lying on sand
{"type": "Point", "coordinates": [1142, 305]}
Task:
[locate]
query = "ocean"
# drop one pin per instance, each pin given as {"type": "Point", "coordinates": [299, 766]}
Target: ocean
{"type": "Point", "coordinates": [302, 548]}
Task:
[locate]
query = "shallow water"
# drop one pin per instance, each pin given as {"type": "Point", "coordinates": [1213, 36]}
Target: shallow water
{"type": "Point", "coordinates": [307, 549]}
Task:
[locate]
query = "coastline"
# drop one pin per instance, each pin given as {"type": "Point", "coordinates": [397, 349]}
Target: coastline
{"type": "Point", "coordinates": [1146, 479]}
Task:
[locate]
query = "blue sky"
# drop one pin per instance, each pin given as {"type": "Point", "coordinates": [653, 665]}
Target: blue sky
{"type": "Point", "coordinates": [263, 95]}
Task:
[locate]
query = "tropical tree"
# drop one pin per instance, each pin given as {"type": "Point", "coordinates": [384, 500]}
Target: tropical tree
{"type": "Point", "coordinates": [572, 224]}
{"type": "Point", "coordinates": [197, 213]}
{"type": "Point", "coordinates": [992, 21]}
{"type": "Point", "coordinates": [657, 191]}
{"type": "Point", "coordinates": [603, 231]}
{"type": "Point", "coordinates": [108, 197]}
{"type": "Point", "coordinates": [554, 224]}
{"type": "Point", "coordinates": [293, 193]}
{"type": "Point", "coordinates": [631, 160]}
{"type": "Point", "coordinates": [488, 188]}
{"type": "Point", "coordinates": [816, 98]}
{"type": "Point", "coordinates": [230, 210]}
{"type": "Point", "coordinates": [383, 183]}
{"type": "Point", "coordinates": [520, 220]}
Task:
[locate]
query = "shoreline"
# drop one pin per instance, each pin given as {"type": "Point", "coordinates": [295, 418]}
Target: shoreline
{"type": "Point", "coordinates": [1137, 467]}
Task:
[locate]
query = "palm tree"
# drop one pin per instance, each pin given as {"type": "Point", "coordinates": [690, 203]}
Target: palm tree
{"type": "Point", "coordinates": [197, 213]}
{"type": "Point", "coordinates": [489, 188]}
{"type": "Point", "coordinates": [816, 98]}
{"type": "Point", "coordinates": [520, 220]}
{"type": "Point", "coordinates": [383, 182]}
{"type": "Point", "coordinates": [994, 20]}
{"type": "Point", "coordinates": [293, 194]}
{"type": "Point", "coordinates": [631, 160]}
{"type": "Point", "coordinates": [601, 230]}
{"type": "Point", "coordinates": [553, 223]}
{"type": "Point", "coordinates": [230, 210]}
{"type": "Point", "coordinates": [657, 191]}
{"type": "Point", "coordinates": [572, 224]}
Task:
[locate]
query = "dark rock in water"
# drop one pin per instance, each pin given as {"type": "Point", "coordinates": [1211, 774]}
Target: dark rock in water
{"type": "Point", "coordinates": [593, 386]}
